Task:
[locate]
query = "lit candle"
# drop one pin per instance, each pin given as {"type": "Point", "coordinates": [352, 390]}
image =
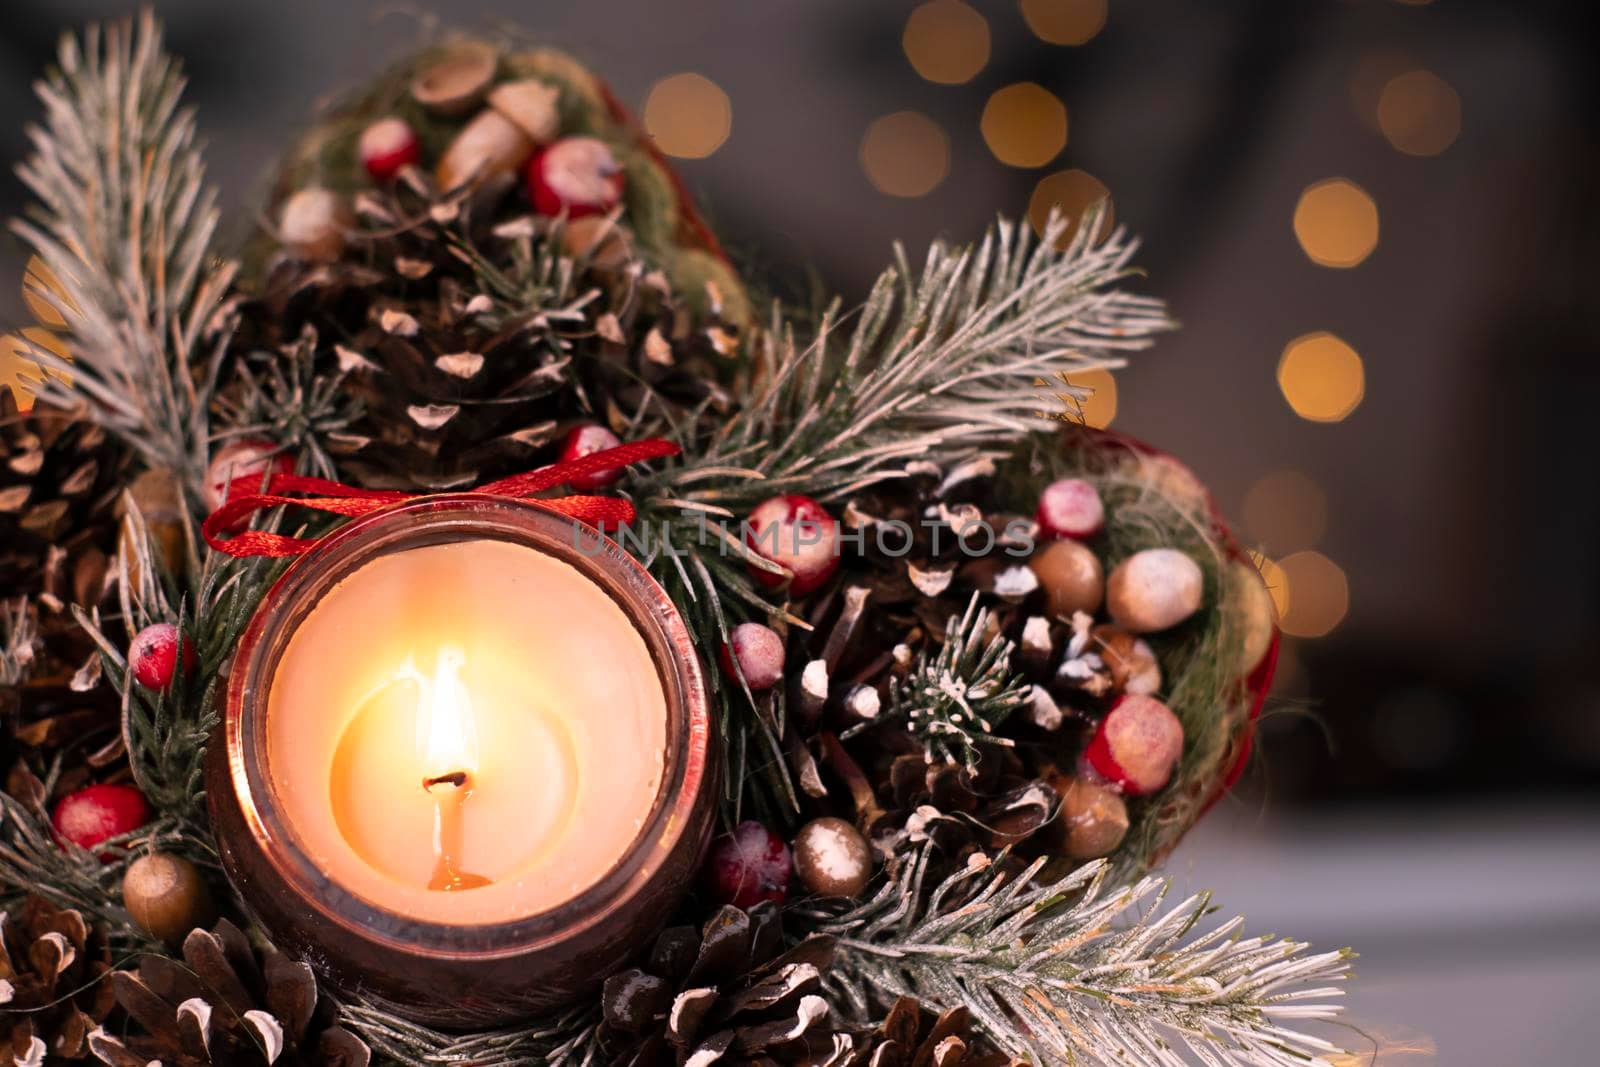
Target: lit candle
{"type": "Point", "coordinates": [481, 742]}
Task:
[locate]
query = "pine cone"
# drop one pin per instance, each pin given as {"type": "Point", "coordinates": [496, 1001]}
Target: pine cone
{"type": "Point", "coordinates": [727, 993]}
{"type": "Point", "coordinates": [909, 1036]}
{"type": "Point", "coordinates": [51, 993]}
{"type": "Point", "coordinates": [222, 1007]}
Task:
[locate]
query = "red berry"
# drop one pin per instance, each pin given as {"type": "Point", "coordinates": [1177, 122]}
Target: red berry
{"type": "Point", "coordinates": [577, 175]}
{"type": "Point", "coordinates": [748, 866]}
{"type": "Point", "coordinates": [1070, 507]}
{"type": "Point", "coordinates": [759, 650]}
{"type": "Point", "coordinates": [97, 813]}
{"type": "Point", "coordinates": [580, 442]}
{"type": "Point", "coordinates": [154, 655]}
{"type": "Point", "coordinates": [238, 467]}
{"type": "Point", "coordinates": [1136, 746]}
{"type": "Point", "coordinates": [386, 146]}
{"type": "Point", "coordinates": [798, 534]}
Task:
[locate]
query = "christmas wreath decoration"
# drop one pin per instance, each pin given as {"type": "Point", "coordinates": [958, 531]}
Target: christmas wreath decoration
{"type": "Point", "coordinates": [973, 667]}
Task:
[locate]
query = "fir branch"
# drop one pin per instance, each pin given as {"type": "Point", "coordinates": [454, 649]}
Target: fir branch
{"type": "Point", "coordinates": [938, 365]}
{"type": "Point", "coordinates": [1079, 971]}
{"type": "Point", "coordinates": [953, 699]}
{"type": "Point", "coordinates": [288, 398]}
{"type": "Point", "coordinates": [19, 641]}
{"type": "Point", "coordinates": [125, 220]}
{"type": "Point", "coordinates": [569, 1038]}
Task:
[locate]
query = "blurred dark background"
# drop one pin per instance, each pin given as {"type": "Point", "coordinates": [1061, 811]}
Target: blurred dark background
{"type": "Point", "coordinates": [1376, 220]}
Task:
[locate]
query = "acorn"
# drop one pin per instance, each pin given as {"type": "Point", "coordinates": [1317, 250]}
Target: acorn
{"type": "Point", "coordinates": [313, 222]}
{"type": "Point", "coordinates": [1153, 590]}
{"type": "Point", "coordinates": [598, 239]}
{"type": "Point", "coordinates": [386, 146]}
{"type": "Point", "coordinates": [489, 144]}
{"type": "Point", "coordinates": [1136, 746]}
{"type": "Point", "coordinates": [1132, 662]}
{"type": "Point", "coordinates": [1094, 819]}
{"type": "Point", "coordinates": [1253, 613]}
{"type": "Point", "coordinates": [832, 858]}
{"type": "Point", "coordinates": [576, 176]}
{"type": "Point", "coordinates": [532, 104]}
{"type": "Point", "coordinates": [166, 897]}
{"type": "Point", "coordinates": [455, 84]}
{"type": "Point", "coordinates": [1070, 507]}
{"type": "Point", "coordinates": [1071, 576]}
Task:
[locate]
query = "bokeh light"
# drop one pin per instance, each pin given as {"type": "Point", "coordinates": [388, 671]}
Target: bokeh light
{"type": "Point", "coordinates": [1372, 71]}
{"type": "Point", "coordinates": [1336, 223]}
{"type": "Point", "coordinates": [1098, 404]}
{"type": "Point", "coordinates": [905, 154]}
{"type": "Point", "coordinates": [1419, 113]}
{"type": "Point", "coordinates": [1318, 594]}
{"type": "Point", "coordinates": [946, 41]}
{"type": "Point", "coordinates": [1064, 21]}
{"type": "Point", "coordinates": [1285, 511]}
{"type": "Point", "coordinates": [1321, 377]}
{"type": "Point", "coordinates": [1024, 125]}
{"type": "Point", "coordinates": [1072, 192]}
{"type": "Point", "coordinates": [688, 115]}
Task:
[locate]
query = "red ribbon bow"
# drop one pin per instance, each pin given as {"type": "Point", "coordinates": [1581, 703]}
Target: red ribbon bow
{"type": "Point", "coordinates": [340, 499]}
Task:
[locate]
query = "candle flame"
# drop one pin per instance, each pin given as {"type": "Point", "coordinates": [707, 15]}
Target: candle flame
{"type": "Point", "coordinates": [446, 736]}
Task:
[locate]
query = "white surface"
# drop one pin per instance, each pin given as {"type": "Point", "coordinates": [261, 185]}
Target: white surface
{"type": "Point", "coordinates": [1478, 928]}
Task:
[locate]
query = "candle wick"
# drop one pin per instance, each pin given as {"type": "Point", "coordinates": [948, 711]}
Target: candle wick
{"type": "Point", "coordinates": [455, 778]}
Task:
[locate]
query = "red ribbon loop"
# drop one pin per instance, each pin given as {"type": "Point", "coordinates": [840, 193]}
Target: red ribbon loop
{"type": "Point", "coordinates": [319, 494]}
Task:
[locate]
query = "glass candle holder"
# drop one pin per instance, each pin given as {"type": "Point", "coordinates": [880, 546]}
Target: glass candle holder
{"type": "Point", "coordinates": [460, 882]}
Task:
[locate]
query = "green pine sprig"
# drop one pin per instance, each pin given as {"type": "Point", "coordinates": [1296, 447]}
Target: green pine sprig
{"type": "Point", "coordinates": [954, 697]}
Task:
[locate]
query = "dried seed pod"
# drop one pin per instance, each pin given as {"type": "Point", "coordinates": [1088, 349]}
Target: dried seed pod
{"type": "Point", "coordinates": [1131, 660]}
{"type": "Point", "coordinates": [1154, 590]}
{"type": "Point", "coordinates": [455, 84]}
{"type": "Point", "coordinates": [1253, 612]}
{"type": "Point", "coordinates": [490, 144]}
{"type": "Point", "coordinates": [1071, 508]}
{"type": "Point", "coordinates": [577, 176]}
{"type": "Point", "coordinates": [1072, 577]}
{"type": "Point", "coordinates": [597, 239]}
{"type": "Point", "coordinates": [832, 858]}
{"type": "Point", "coordinates": [532, 104]}
{"type": "Point", "coordinates": [1136, 746]}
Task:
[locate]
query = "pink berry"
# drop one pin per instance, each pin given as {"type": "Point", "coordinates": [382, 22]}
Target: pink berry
{"type": "Point", "coordinates": [238, 468]}
{"type": "Point", "coordinates": [1070, 507]}
{"type": "Point", "coordinates": [1136, 746]}
{"type": "Point", "coordinates": [386, 146]}
{"type": "Point", "coordinates": [798, 534]}
{"type": "Point", "coordinates": [586, 439]}
{"type": "Point", "coordinates": [98, 813]}
{"type": "Point", "coordinates": [576, 175]}
{"type": "Point", "coordinates": [748, 866]}
{"type": "Point", "coordinates": [154, 655]}
{"type": "Point", "coordinates": [759, 651]}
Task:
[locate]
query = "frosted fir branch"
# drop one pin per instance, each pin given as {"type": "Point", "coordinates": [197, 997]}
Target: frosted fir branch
{"type": "Point", "coordinates": [568, 1039]}
{"type": "Point", "coordinates": [125, 220]}
{"type": "Point", "coordinates": [937, 365]}
{"type": "Point", "coordinates": [19, 641]}
{"type": "Point", "coordinates": [954, 698]}
{"type": "Point", "coordinates": [1080, 970]}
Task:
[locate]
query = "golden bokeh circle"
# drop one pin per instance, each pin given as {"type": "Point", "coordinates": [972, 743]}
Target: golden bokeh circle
{"type": "Point", "coordinates": [1024, 125]}
{"type": "Point", "coordinates": [1319, 594]}
{"type": "Point", "coordinates": [688, 115]}
{"type": "Point", "coordinates": [905, 154]}
{"type": "Point", "coordinates": [1064, 21]}
{"type": "Point", "coordinates": [1072, 192]}
{"type": "Point", "coordinates": [1336, 223]}
{"type": "Point", "coordinates": [1419, 113]}
{"type": "Point", "coordinates": [1097, 400]}
{"type": "Point", "coordinates": [1321, 377]}
{"type": "Point", "coordinates": [946, 41]}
